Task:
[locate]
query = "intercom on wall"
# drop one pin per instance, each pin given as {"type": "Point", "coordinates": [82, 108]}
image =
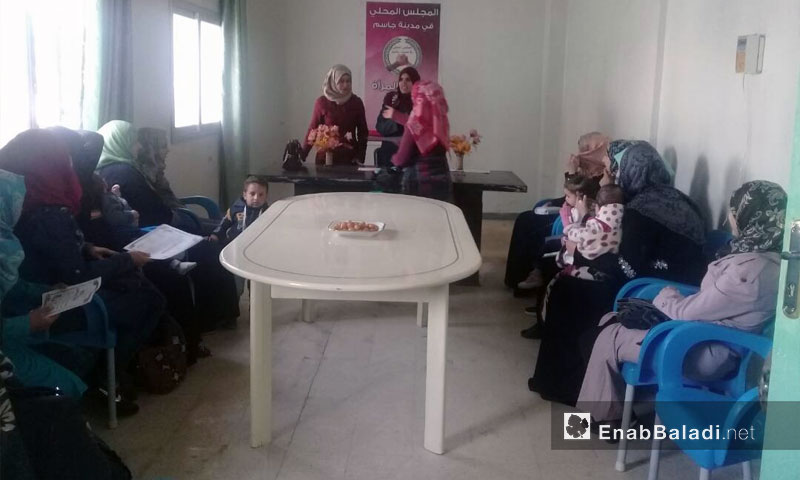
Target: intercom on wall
{"type": "Point", "coordinates": [750, 53]}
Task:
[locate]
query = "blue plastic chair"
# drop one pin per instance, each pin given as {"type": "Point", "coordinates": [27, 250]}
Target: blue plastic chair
{"type": "Point", "coordinates": [643, 373]}
{"type": "Point", "coordinates": [99, 334]}
{"type": "Point", "coordinates": [680, 403]}
{"type": "Point", "coordinates": [542, 203]}
{"type": "Point", "coordinates": [558, 227]}
{"type": "Point", "coordinates": [204, 225]}
{"type": "Point", "coordinates": [210, 206]}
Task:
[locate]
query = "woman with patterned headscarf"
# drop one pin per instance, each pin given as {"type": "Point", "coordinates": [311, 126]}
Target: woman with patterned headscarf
{"type": "Point", "coordinates": [663, 235]}
{"type": "Point", "coordinates": [739, 291]}
{"type": "Point", "coordinates": [152, 161]}
{"type": "Point", "coordinates": [425, 142]}
{"type": "Point", "coordinates": [120, 163]}
{"type": "Point", "coordinates": [339, 106]}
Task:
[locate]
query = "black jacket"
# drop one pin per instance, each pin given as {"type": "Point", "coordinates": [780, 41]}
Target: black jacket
{"type": "Point", "coordinates": [140, 196]}
{"type": "Point", "coordinates": [236, 219]}
{"type": "Point", "coordinates": [55, 251]}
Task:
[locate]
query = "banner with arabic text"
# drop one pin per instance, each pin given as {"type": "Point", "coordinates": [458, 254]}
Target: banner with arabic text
{"type": "Point", "coordinates": [399, 35]}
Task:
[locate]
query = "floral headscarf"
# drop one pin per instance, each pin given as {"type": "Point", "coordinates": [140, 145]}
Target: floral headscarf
{"type": "Point", "coordinates": [641, 167]}
{"type": "Point", "coordinates": [428, 121]}
{"type": "Point", "coordinates": [43, 159]}
{"type": "Point", "coordinates": [759, 208]}
{"type": "Point", "coordinates": [12, 195]}
{"type": "Point", "coordinates": [152, 163]}
{"type": "Point", "coordinates": [331, 90]}
{"type": "Point", "coordinates": [646, 182]}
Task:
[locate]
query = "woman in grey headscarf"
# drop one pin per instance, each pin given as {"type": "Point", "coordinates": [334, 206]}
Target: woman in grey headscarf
{"type": "Point", "coordinates": [152, 163]}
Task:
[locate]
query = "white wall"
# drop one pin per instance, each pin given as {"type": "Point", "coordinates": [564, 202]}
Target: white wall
{"type": "Point", "coordinates": [609, 71]}
{"type": "Point", "coordinates": [723, 128]}
{"type": "Point", "coordinates": [531, 76]}
{"type": "Point", "coordinates": [267, 83]}
{"type": "Point", "coordinates": [492, 68]}
{"type": "Point", "coordinates": [192, 166]}
{"type": "Point", "coordinates": [664, 71]}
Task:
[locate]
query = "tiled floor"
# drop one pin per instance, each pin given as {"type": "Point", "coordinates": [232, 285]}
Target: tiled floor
{"type": "Point", "coordinates": [348, 400]}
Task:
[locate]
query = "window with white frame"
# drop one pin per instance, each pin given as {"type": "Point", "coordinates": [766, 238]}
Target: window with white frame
{"type": "Point", "coordinates": [197, 64]}
{"type": "Point", "coordinates": [49, 52]}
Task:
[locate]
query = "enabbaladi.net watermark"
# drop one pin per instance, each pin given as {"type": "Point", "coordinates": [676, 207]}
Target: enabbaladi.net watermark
{"type": "Point", "coordinates": [707, 428]}
{"type": "Point", "coordinates": [661, 432]}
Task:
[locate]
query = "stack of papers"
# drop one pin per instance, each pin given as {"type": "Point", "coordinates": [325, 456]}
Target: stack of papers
{"type": "Point", "coordinates": [164, 242]}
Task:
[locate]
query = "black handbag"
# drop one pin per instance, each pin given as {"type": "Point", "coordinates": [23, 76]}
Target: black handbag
{"type": "Point", "coordinates": [293, 156]}
{"type": "Point", "coordinates": [638, 314]}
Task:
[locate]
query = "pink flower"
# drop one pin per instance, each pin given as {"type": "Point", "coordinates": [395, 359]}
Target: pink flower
{"type": "Point", "coordinates": [335, 128]}
{"type": "Point", "coordinates": [348, 136]}
{"type": "Point", "coordinates": [473, 133]}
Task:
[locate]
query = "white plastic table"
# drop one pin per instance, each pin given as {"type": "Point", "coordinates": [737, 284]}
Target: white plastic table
{"type": "Point", "coordinates": [290, 253]}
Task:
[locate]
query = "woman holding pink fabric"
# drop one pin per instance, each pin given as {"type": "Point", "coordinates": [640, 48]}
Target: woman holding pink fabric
{"type": "Point", "coordinates": [423, 148]}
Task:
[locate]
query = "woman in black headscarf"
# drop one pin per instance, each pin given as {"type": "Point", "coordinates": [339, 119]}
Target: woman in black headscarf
{"type": "Point", "coordinates": [394, 114]}
{"type": "Point", "coordinates": [663, 234]}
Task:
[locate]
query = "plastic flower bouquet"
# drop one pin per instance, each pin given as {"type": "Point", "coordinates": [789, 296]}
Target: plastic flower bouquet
{"type": "Point", "coordinates": [462, 145]}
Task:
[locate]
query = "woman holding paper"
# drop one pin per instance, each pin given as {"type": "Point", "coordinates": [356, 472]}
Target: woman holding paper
{"type": "Point", "coordinates": [55, 251]}
{"type": "Point", "coordinates": [21, 314]}
{"type": "Point", "coordinates": [85, 148]}
{"type": "Point", "coordinates": [120, 164]}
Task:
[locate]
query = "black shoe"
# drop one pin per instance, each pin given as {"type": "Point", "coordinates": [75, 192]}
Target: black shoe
{"type": "Point", "coordinates": [126, 408]}
{"type": "Point", "coordinates": [229, 324]}
{"type": "Point", "coordinates": [533, 332]}
{"type": "Point", "coordinates": [99, 397]}
{"type": "Point", "coordinates": [128, 392]}
{"type": "Point", "coordinates": [520, 293]}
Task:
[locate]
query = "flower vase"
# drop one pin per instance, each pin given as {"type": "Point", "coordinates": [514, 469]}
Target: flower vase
{"type": "Point", "coordinates": [459, 162]}
{"type": "Point", "coordinates": [328, 158]}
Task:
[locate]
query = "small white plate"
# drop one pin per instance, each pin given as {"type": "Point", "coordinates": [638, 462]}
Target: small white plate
{"type": "Point", "coordinates": [356, 233]}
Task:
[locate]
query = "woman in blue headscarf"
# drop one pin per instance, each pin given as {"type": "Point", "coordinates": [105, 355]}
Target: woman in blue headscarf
{"type": "Point", "coordinates": [663, 234]}
{"type": "Point", "coordinates": [21, 310]}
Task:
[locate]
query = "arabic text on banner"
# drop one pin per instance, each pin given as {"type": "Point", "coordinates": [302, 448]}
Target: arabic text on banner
{"type": "Point", "coordinates": [399, 35]}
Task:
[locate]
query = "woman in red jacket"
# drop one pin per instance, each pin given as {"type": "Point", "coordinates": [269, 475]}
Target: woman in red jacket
{"type": "Point", "coordinates": [339, 106]}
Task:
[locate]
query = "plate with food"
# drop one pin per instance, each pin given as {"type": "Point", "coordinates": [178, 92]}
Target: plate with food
{"type": "Point", "coordinates": [356, 228]}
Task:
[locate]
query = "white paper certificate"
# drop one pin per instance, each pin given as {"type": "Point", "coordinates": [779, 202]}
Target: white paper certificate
{"type": "Point", "coordinates": [70, 297]}
{"type": "Point", "coordinates": [164, 242]}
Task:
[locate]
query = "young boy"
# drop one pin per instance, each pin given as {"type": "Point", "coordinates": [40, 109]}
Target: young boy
{"type": "Point", "coordinates": [244, 211]}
